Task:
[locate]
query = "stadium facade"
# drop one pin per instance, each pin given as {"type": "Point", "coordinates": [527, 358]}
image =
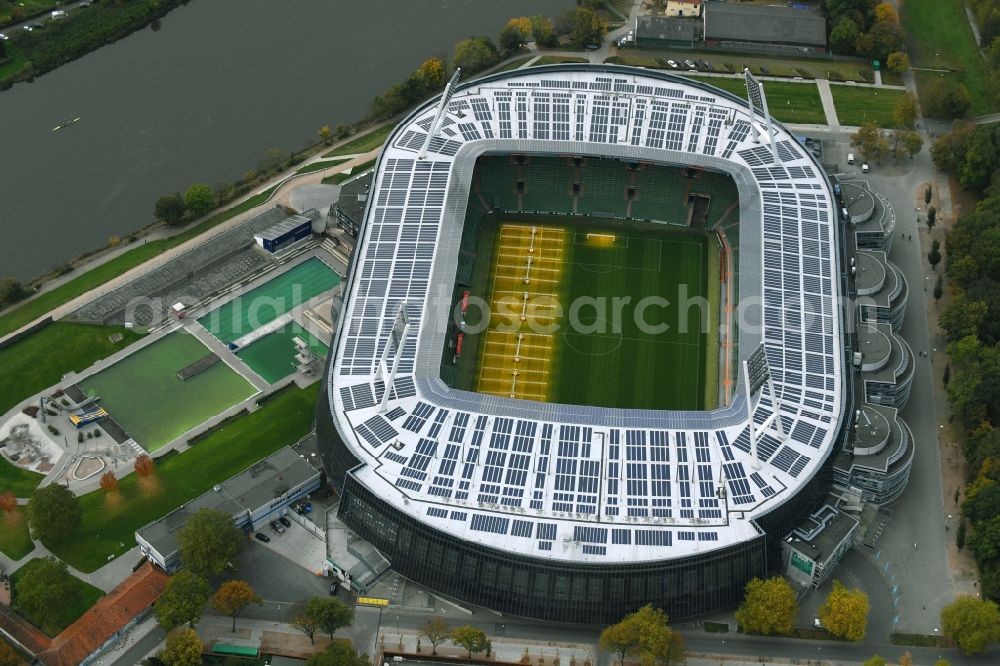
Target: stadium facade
{"type": "Point", "coordinates": [576, 513]}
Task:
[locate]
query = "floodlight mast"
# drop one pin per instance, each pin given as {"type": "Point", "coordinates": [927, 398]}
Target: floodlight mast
{"type": "Point", "coordinates": [757, 100]}
{"type": "Point", "coordinates": [449, 90]}
{"type": "Point", "coordinates": [756, 376]}
{"type": "Point", "coordinates": [397, 336]}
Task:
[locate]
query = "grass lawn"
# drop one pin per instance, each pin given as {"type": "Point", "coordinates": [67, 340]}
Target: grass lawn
{"type": "Point", "coordinates": [341, 177]}
{"type": "Point", "coordinates": [67, 612]}
{"type": "Point", "coordinates": [513, 64]}
{"type": "Point", "coordinates": [596, 357]}
{"type": "Point", "coordinates": [319, 166]}
{"type": "Point", "coordinates": [19, 481]}
{"type": "Point", "coordinates": [857, 105]}
{"type": "Point", "coordinates": [109, 524]}
{"type": "Point", "coordinates": [939, 37]}
{"type": "Point", "coordinates": [37, 307]}
{"type": "Point", "coordinates": [555, 60]}
{"type": "Point", "coordinates": [40, 360]}
{"type": "Point", "coordinates": [15, 542]}
{"type": "Point", "coordinates": [364, 142]}
{"type": "Point", "coordinates": [14, 63]}
{"type": "Point", "coordinates": [788, 102]}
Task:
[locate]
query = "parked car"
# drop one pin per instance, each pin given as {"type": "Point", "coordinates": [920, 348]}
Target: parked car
{"type": "Point", "coordinates": [706, 64]}
{"type": "Point", "coordinates": [333, 589]}
{"type": "Point", "coordinates": [58, 14]}
{"type": "Point", "coordinates": [284, 521]}
{"type": "Point", "coordinates": [764, 70]}
{"type": "Point", "coordinates": [850, 158]}
{"type": "Point", "coordinates": [691, 64]}
{"type": "Point", "coordinates": [3, 37]}
{"type": "Point", "coordinates": [260, 536]}
{"type": "Point", "coordinates": [864, 168]}
{"type": "Point", "coordinates": [277, 527]}
{"type": "Point", "coordinates": [836, 190]}
{"type": "Point", "coordinates": [27, 28]}
{"type": "Point", "coordinates": [672, 64]}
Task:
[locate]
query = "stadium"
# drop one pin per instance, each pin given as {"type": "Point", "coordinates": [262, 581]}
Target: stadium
{"type": "Point", "coordinates": [590, 352]}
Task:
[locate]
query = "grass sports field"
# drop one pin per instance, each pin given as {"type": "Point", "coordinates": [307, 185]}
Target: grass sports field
{"type": "Point", "coordinates": [576, 318]}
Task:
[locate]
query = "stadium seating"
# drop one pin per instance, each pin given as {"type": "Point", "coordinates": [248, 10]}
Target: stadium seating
{"type": "Point", "coordinates": [548, 185]}
{"type": "Point", "coordinates": [497, 182]}
{"type": "Point", "coordinates": [661, 194]}
{"type": "Point", "coordinates": [603, 187]}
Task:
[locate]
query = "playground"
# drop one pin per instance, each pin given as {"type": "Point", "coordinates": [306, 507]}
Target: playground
{"type": "Point", "coordinates": [146, 395]}
{"type": "Point", "coordinates": [273, 356]}
{"type": "Point", "coordinates": [254, 314]}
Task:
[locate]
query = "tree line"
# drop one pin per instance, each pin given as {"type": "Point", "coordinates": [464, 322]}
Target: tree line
{"type": "Point", "coordinates": [863, 28]}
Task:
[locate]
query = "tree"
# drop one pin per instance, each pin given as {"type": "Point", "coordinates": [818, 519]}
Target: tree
{"type": "Point", "coordinates": [515, 34]}
{"type": "Point", "coordinates": [906, 659]}
{"type": "Point", "coordinates": [274, 159]}
{"type": "Point", "coordinates": [931, 217]}
{"type": "Point", "coordinates": [8, 657]}
{"type": "Point", "coordinates": [331, 614]}
{"type": "Point", "coordinates": [658, 643]}
{"type": "Point", "coordinates": [144, 465]}
{"type": "Point", "coordinates": [844, 36]}
{"type": "Point", "coordinates": [939, 290]}
{"type": "Point", "coordinates": [943, 98]}
{"type": "Point", "coordinates": [898, 62]}
{"type": "Point", "coordinates": [183, 648]}
{"type": "Point", "coordinates": [885, 12]}
{"type": "Point", "coordinates": [431, 75]}
{"type": "Point", "coordinates": [199, 199]}
{"type": "Point", "coordinates": [543, 32]}
{"type": "Point", "coordinates": [170, 209]}
{"type": "Point", "coordinates": [621, 639]}
{"type": "Point", "coordinates": [870, 140]}
{"type": "Point", "coordinates": [338, 653]}
{"type": "Point", "coordinates": [109, 482]}
{"type": "Point", "coordinates": [928, 194]}
{"type": "Point", "coordinates": [942, 662]}
{"type": "Point", "coordinates": [874, 660]}
{"type": "Point", "coordinates": [845, 612]}
{"type": "Point", "coordinates": [588, 28]}
{"type": "Point", "coordinates": [305, 621]}
{"type": "Point", "coordinates": [53, 513]}
{"type": "Point", "coordinates": [913, 143]}
{"type": "Point", "coordinates": [436, 631]}
{"type": "Point", "coordinates": [904, 111]}
{"type": "Point", "coordinates": [210, 542]}
{"type": "Point", "coordinates": [885, 37]}
{"type": "Point", "coordinates": [934, 256]}
{"type": "Point", "coordinates": [768, 606]}
{"type": "Point", "coordinates": [8, 502]}
{"type": "Point", "coordinates": [325, 134]}
{"type": "Point", "coordinates": [11, 291]}
{"type": "Point", "coordinates": [44, 589]}
{"type": "Point", "coordinates": [971, 622]}
{"type": "Point", "coordinates": [233, 597]}
{"type": "Point", "coordinates": [475, 54]}
{"type": "Point", "coordinates": [182, 601]}
{"type": "Point", "coordinates": [473, 639]}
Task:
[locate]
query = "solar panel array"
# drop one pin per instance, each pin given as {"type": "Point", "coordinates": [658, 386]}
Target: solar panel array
{"type": "Point", "coordinates": [526, 478]}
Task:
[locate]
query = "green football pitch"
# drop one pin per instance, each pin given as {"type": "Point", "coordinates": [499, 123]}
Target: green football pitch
{"type": "Point", "coordinates": [590, 314]}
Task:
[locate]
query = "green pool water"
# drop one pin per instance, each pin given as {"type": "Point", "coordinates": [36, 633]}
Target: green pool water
{"type": "Point", "coordinates": [143, 394]}
{"type": "Point", "coordinates": [273, 356]}
{"type": "Point", "coordinates": [269, 301]}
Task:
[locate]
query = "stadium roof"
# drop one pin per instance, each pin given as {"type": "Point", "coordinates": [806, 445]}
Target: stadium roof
{"type": "Point", "coordinates": [587, 484]}
{"type": "Point", "coordinates": [764, 23]}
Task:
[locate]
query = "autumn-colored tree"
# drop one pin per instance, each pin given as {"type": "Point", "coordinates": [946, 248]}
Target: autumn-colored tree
{"type": "Point", "coordinates": [144, 465]}
{"type": "Point", "coordinates": [305, 620]}
{"type": "Point", "coordinates": [515, 34]}
{"type": "Point", "coordinates": [233, 597]}
{"type": "Point", "coordinates": [845, 612]}
{"type": "Point", "coordinates": [874, 660]}
{"type": "Point", "coordinates": [431, 74]}
{"type": "Point", "coordinates": [871, 141]}
{"type": "Point", "coordinates": [8, 502]}
{"type": "Point", "coordinates": [436, 631]}
{"type": "Point", "coordinates": [620, 639]}
{"type": "Point", "coordinates": [109, 482]}
{"type": "Point", "coordinates": [473, 639]}
{"type": "Point", "coordinates": [898, 61]}
{"type": "Point", "coordinates": [645, 634]}
{"type": "Point", "coordinates": [768, 606]}
{"type": "Point", "coordinates": [183, 648]}
{"type": "Point", "coordinates": [906, 659]}
{"type": "Point", "coordinates": [885, 12]}
{"type": "Point", "coordinates": [8, 657]}
{"type": "Point", "coordinates": [971, 622]}
{"type": "Point", "coordinates": [325, 133]}
{"type": "Point", "coordinates": [904, 111]}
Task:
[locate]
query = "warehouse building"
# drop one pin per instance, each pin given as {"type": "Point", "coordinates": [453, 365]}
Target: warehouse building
{"type": "Point", "coordinates": [764, 28]}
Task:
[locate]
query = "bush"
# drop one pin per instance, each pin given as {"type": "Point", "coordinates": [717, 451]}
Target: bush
{"type": "Point", "coordinates": [53, 430]}
{"type": "Point", "coordinates": [960, 535]}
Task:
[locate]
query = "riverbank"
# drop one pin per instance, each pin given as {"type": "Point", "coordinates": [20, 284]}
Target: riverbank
{"type": "Point", "coordinates": [84, 30]}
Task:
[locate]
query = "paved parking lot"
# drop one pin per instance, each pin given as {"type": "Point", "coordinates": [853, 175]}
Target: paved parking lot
{"type": "Point", "coordinates": [298, 545]}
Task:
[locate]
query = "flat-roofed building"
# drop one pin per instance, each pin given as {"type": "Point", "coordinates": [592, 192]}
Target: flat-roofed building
{"type": "Point", "coordinates": [764, 28]}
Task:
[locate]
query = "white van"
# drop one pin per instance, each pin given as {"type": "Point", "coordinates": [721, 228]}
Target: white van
{"type": "Point", "coordinates": [58, 14]}
{"type": "Point", "coordinates": [864, 168]}
{"type": "Point", "coordinates": [850, 158]}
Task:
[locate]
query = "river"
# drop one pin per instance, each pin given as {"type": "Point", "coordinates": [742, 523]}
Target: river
{"type": "Point", "coordinates": [201, 100]}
